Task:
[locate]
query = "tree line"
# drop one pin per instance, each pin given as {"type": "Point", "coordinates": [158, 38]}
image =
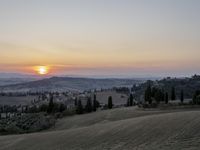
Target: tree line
{"type": "Point", "coordinates": [91, 106]}
{"type": "Point", "coordinates": [160, 95]}
{"type": "Point", "coordinates": [157, 94]}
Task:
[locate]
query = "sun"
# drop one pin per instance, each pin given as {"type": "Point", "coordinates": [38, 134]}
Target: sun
{"type": "Point", "coordinates": [42, 70]}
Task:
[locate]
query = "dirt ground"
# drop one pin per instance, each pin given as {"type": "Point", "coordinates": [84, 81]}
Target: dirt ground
{"type": "Point", "coordinates": [117, 129]}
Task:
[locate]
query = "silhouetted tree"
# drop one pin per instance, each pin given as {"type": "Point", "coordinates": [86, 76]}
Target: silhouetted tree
{"type": "Point", "coordinates": [182, 96]}
{"type": "Point", "coordinates": [131, 99]}
{"type": "Point", "coordinates": [88, 106]}
{"type": "Point", "coordinates": [173, 93]}
{"type": "Point", "coordinates": [196, 97]}
{"type": "Point", "coordinates": [158, 95]}
{"type": "Point", "coordinates": [147, 95]}
{"type": "Point", "coordinates": [51, 105]}
{"type": "Point", "coordinates": [76, 102]}
{"type": "Point", "coordinates": [95, 103]}
{"type": "Point", "coordinates": [43, 97]}
{"type": "Point", "coordinates": [32, 109]}
{"type": "Point", "coordinates": [162, 95]}
{"type": "Point", "coordinates": [62, 107]}
{"type": "Point", "coordinates": [166, 98]}
{"type": "Point", "coordinates": [79, 109]}
{"type": "Point", "coordinates": [43, 108]}
{"type": "Point", "coordinates": [110, 104]}
{"type": "Point", "coordinates": [128, 102]}
{"type": "Point", "coordinates": [153, 91]}
{"type": "Point", "coordinates": [55, 107]}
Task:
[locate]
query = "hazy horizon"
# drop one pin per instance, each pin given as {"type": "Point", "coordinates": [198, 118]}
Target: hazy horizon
{"type": "Point", "coordinates": [6, 75]}
{"type": "Point", "coordinates": [118, 38]}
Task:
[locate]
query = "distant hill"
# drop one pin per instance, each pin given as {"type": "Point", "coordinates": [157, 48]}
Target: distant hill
{"type": "Point", "coordinates": [16, 78]}
{"type": "Point", "coordinates": [69, 83]}
{"type": "Point", "coordinates": [17, 75]}
{"type": "Point", "coordinates": [10, 81]}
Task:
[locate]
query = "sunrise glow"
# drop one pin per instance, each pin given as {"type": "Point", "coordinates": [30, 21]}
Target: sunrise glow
{"type": "Point", "coordinates": [126, 38]}
{"type": "Point", "coordinates": [42, 70]}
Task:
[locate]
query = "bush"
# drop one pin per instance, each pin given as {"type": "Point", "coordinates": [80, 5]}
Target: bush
{"type": "Point", "coordinates": [196, 97]}
{"type": "Point", "coordinates": [153, 105]}
{"type": "Point", "coordinates": [11, 129]}
{"type": "Point", "coordinates": [198, 100]}
{"type": "Point", "coordinates": [26, 123]}
{"type": "Point", "coordinates": [69, 112]}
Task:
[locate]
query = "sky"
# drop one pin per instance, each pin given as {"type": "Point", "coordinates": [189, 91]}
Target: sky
{"type": "Point", "coordinates": [119, 38]}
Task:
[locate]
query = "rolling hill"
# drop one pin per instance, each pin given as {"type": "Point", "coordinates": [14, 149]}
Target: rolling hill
{"type": "Point", "coordinates": [69, 83]}
{"type": "Point", "coordinates": [117, 129]}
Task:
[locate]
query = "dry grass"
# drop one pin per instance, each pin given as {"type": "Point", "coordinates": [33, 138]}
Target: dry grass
{"type": "Point", "coordinates": [125, 128]}
{"type": "Point", "coordinates": [118, 98]}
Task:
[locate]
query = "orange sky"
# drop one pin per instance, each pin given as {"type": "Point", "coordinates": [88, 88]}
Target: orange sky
{"type": "Point", "coordinates": [112, 37]}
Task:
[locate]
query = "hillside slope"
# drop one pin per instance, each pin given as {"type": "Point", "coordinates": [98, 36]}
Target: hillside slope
{"type": "Point", "coordinates": [106, 116]}
{"type": "Point", "coordinates": [169, 131]}
{"type": "Point", "coordinates": [69, 83]}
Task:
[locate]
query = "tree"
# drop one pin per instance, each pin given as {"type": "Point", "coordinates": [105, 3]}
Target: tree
{"type": "Point", "coordinates": [158, 95]}
{"type": "Point", "coordinates": [95, 103]}
{"type": "Point", "coordinates": [32, 109]}
{"type": "Point", "coordinates": [128, 102]}
{"type": "Point", "coordinates": [88, 106]}
{"type": "Point", "coordinates": [62, 107]}
{"type": "Point", "coordinates": [166, 98]}
{"type": "Point", "coordinates": [153, 92]}
{"type": "Point", "coordinates": [131, 100]}
{"type": "Point", "coordinates": [182, 96]}
{"type": "Point", "coordinates": [79, 109]}
{"type": "Point", "coordinates": [43, 108]}
{"type": "Point", "coordinates": [43, 97]}
{"type": "Point", "coordinates": [76, 102]}
{"type": "Point", "coordinates": [147, 95]}
{"type": "Point", "coordinates": [51, 105]}
{"type": "Point", "coordinates": [162, 95]}
{"type": "Point", "coordinates": [110, 104]}
{"type": "Point", "coordinates": [173, 93]}
{"type": "Point", "coordinates": [196, 97]}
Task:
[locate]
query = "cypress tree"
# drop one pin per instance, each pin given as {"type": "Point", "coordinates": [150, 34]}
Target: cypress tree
{"type": "Point", "coordinates": [128, 102]}
{"type": "Point", "coordinates": [158, 95]}
{"type": "Point", "coordinates": [89, 106]}
{"type": "Point", "coordinates": [147, 95]}
{"type": "Point", "coordinates": [182, 96]}
{"type": "Point", "coordinates": [163, 95]}
{"type": "Point", "coordinates": [79, 109]}
{"type": "Point", "coordinates": [62, 107]}
{"type": "Point", "coordinates": [51, 105]}
{"type": "Point", "coordinates": [131, 100]}
{"type": "Point", "coordinates": [76, 102]}
{"type": "Point", "coordinates": [173, 93]}
{"type": "Point", "coordinates": [110, 104]}
{"type": "Point", "coordinates": [95, 103]}
{"type": "Point", "coordinates": [196, 97]}
{"type": "Point", "coordinates": [166, 98]}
